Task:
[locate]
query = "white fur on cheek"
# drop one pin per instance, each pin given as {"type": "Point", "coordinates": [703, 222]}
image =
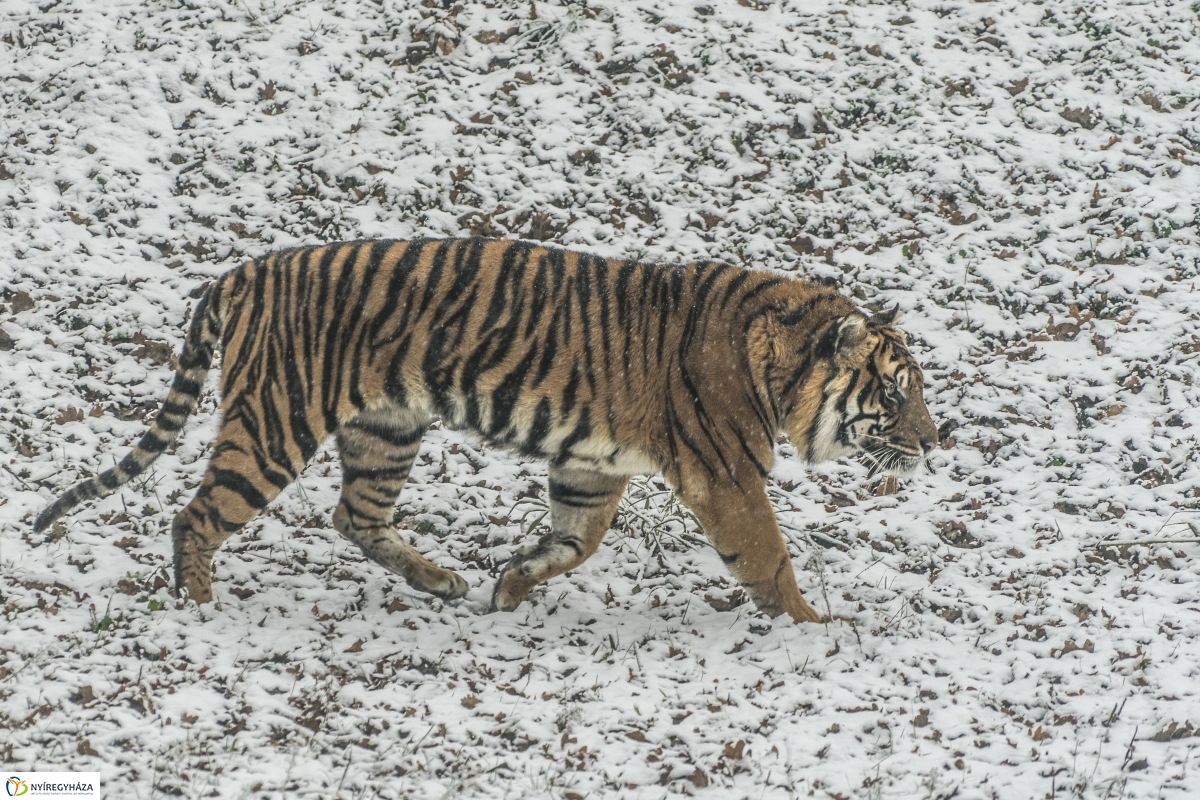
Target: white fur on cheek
{"type": "Point", "coordinates": [825, 441]}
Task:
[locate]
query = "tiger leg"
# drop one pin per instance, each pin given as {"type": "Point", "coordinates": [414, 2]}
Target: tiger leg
{"type": "Point", "coordinates": [742, 527]}
{"type": "Point", "coordinates": [240, 481]}
{"type": "Point", "coordinates": [582, 506]}
{"type": "Point", "coordinates": [377, 450]}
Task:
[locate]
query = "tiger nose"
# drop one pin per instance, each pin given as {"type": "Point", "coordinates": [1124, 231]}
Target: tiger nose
{"type": "Point", "coordinates": [928, 445]}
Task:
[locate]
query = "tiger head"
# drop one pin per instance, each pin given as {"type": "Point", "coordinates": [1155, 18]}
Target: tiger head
{"type": "Point", "coordinates": [870, 402]}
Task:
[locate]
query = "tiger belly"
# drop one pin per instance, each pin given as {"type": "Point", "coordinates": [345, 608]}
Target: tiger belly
{"type": "Point", "coordinates": [560, 442]}
{"type": "Point", "coordinates": [627, 461]}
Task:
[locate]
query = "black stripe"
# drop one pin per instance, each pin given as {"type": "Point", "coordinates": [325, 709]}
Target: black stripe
{"type": "Point", "coordinates": [549, 349]}
{"type": "Point", "coordinates": [351, 473]}
{"type": "Point", "coordinates": [434, 277]}
{"type": "Point", "coordinates": [570, 391]}
{"type": "Point", "coordinates": [761, 467]}
{"type": "Point", "coordinates": [392, 434]}
{"type": "Point", "coordinates": [581, 431]}
{"type": "Point", "coordinates": [602, 296]}
{"type": "Point", "coordinates": [622, 292]}
{"type": "Point", "coordinates": [341, 316]}
{"type": "Point", "coordinates": [540, 298]}
{"type": "Point", "coordinates": [562, 491]}
{"type": "Point", "coordinates": [508, 276]}
{"type": "Point", "coordinates": [153, 443]}
{"type": "Point", "coordinates": [735, 284]}
{"type": "Point", "coordinates": [540, 428]}
{"type": "Point", "coordinates": [759, 288]}
{"type": "Point", "coordinates": [239, 484]}
{"type": "Point", "coordinates": [679, 430]}
{"type": "Point", "coordinates": [175, 409]}
{"type": "Point", "coordinates": [185, 386]}
{"type": "Point", "coordinates": [504, 398]}
{"type": "Point", "coordinates": [570, 542]}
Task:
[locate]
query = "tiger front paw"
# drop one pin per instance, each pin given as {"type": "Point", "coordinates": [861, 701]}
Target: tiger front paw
{"type": "Point", "coordinates": [444, 583]}
{"type": "Point", "coordinates": [512, 587]}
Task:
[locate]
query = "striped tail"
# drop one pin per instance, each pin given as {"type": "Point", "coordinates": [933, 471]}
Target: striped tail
{"type": "Point", "coordinates": [194, 363]}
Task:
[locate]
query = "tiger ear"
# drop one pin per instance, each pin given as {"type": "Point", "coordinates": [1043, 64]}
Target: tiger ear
{"type": "Point", "coordinates": [843, 335]}
{"type": "Point", "coordinates": [887, 317]}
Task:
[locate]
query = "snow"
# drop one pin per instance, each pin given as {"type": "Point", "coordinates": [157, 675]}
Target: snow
{"type": "Point", "coordinates": [1021, 178]}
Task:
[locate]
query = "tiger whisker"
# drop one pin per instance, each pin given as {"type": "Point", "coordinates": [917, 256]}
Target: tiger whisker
{"type": "Point", "coordinates": [891, 460]}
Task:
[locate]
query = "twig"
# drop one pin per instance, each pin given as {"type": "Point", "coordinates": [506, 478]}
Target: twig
{"type": "Point", "coordinates": [29, 96]}
{"type": "Point", "coordinates": [1133, 542]}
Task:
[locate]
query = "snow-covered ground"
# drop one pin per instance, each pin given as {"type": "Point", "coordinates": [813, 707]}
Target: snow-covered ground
{"type": "Point", "coordinates": [1021, 177]}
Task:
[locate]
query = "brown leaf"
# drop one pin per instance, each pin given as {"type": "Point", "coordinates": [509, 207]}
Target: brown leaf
{"type": "Point", "coordinates": [1084, 117]}
{"type": "Point", "coordinates": [888, 485]}
{"type": "Point", "coordinates": [1071, 647]}
{"type": "Point", "coordinates": [699, 779]}
{"type": "Point", "coordinates": [496, 37]}
{"type": "Point", "coordinates": [955, 534]}
{"type": "Point", "coordinates": [395, 606]}
{"type": "Point", "coordinates": [1151, 99]}
{"type": "Point", "coordinates": [151, 349]}
{"type": "Point", "coordinates": [1016, 87]}
{"type": "Point", "coordinates": [1063, 331]}
{"type": "Point", "coordinates": [70, 415]}
{"type": "Point", "coordinates": [470, 701]}
{"type": "Point", "coordinates": [356, 647]}
{"type": "Point", "coordinates": [734, 751]}
{"type": "Point", "coordinates": [21, 301]}
{"type": "Point", "coordinates": [1174, 731]}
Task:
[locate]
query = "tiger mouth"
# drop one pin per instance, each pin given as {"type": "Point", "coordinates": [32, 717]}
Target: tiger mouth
{"type": "Point", "coordinates": [892, 460]}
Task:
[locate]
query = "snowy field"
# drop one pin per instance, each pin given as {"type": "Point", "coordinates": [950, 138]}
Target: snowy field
{"type": "Point", "coordinates": [1020, 177]}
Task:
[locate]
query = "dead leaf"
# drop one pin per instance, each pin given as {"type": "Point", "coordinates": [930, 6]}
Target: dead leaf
{"type": "Point", "coordinates": [21, 301]}
{"type": "Point", "coordinates": [69, 415]}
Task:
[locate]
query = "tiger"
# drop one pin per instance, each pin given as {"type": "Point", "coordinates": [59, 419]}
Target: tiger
{"type": "Point", "coordinates": [605, 368]}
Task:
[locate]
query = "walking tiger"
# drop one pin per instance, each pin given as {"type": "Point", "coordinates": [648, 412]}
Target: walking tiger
{"type": "Point", "coordinates": [605, 368]}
